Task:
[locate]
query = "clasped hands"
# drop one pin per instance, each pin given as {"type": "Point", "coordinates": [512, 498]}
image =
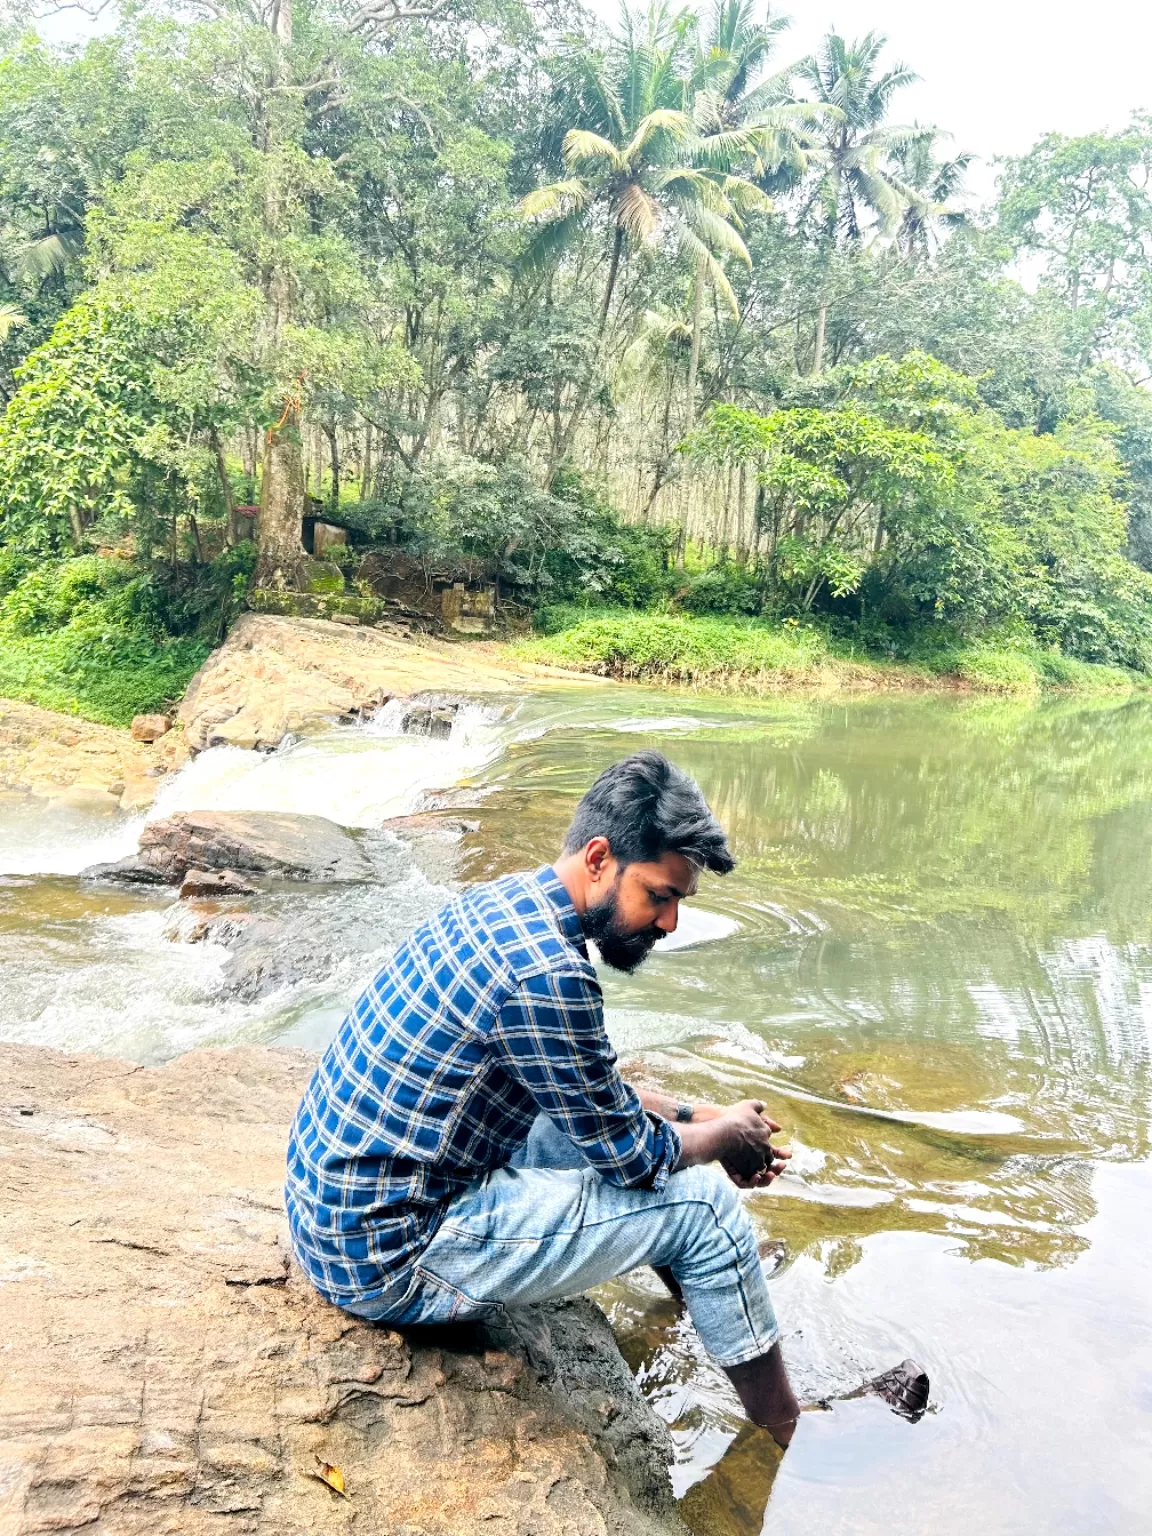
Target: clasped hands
{"type": "Point", "coordinates": [741, 1141]}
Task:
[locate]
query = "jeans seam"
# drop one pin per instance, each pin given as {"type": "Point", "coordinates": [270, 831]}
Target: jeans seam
{"type": "Point", "coordinates": [604, 1221]}
{"type": "Point", "coordinates": [510, 1242]}
{"type": "Point", "coordinates": [460, 1297]}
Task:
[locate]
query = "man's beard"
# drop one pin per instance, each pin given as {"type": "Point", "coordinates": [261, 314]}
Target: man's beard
{"type": "Point", "coordinates": [621, 948]}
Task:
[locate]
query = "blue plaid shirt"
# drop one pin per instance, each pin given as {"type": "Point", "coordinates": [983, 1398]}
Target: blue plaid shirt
{"type": "Point", "coordinates": [487, 1014]}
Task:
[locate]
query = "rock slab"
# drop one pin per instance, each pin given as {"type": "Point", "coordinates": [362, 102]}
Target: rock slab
{"type": "Point", "coordinates": [274, 676]}
{"type": "Point", "coordinates": [246, 843]}
{"type": "Point", "coordinates": [165, 1370]}
{"type": "Point", "coordinates": [69, 762]}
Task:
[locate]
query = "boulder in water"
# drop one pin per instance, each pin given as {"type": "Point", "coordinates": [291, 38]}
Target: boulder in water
{"type": "Point", "coordinates": [248, 843]}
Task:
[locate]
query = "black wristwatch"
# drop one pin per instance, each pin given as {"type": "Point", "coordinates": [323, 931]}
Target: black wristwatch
{"type": "Point", "coordinates": [684, 1113]}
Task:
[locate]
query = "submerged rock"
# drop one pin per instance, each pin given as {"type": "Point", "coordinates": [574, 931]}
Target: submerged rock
{"type": "Point", "coordinates": [170, 1371]}
{"type": "Point", "coordinates": [200, 883]}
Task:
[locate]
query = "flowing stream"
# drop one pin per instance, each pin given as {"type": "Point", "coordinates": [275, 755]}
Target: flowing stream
{"type": "Point", "coordinates": [933, 961]}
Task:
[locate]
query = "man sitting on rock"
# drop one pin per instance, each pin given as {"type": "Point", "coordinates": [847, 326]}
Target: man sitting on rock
{"type": "Point", "coordinates": [467, 1142]}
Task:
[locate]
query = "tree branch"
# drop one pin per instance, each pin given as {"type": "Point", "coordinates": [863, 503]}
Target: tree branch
{"type": "Point", "coordinates": [377, 15]}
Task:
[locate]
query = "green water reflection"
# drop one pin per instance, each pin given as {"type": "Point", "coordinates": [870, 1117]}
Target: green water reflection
{"type": "Point", "coordinates": [941, 982]}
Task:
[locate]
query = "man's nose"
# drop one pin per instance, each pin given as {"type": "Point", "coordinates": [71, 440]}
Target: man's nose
{"type": "Point", "coordinates": [668, 919]}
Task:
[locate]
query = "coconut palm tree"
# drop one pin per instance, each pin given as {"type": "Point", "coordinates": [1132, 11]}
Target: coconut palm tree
{"type": "Point", "coordinates": [855, 188]}
{"type": "Point", "coordinates": [930, 187]}
{"type": "Point", "coordinates": [635, 164]}
{"type": "Point", "coordinates": [748, 126]}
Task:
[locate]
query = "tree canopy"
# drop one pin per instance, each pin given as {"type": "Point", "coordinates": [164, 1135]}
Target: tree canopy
{"type": "Point", "coordinates": [639, 311]}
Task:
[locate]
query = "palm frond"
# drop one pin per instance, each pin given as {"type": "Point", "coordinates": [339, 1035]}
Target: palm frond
{"type": "Point", "coordinates": [40, 258]}
{"type": "Point", "coordinates": [582, 147]}
{"type": "Point", "coordinates": [718, 234]}
{"type": "Point", "coordinates": [550, 244]}
{"type": "Point", "coordinates": [556, 200]}
{"type": "Point", "coordinates": [678, 125]}
{"type": "Point", "coordinates": [12, 317]}
{"type": "Point", "coordinates": [702, 259]}
{"type": "Point", "coordinates": [637, 213]}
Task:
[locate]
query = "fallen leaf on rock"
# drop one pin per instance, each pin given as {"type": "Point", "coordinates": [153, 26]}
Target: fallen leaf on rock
{"type": "Point", "coordinates": [332, 1476]}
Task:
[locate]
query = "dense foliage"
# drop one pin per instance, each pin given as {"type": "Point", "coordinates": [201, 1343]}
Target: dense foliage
{"type": "Point", "coordinates": [643, 317]}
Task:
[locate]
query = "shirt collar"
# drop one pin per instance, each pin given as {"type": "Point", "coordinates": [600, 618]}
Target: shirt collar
{"type": "Point", "coordinates": [553, 887]}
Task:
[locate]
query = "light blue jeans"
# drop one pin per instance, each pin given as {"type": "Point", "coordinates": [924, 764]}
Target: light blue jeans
{"type": "Point", "coordinates": [550, 1226]}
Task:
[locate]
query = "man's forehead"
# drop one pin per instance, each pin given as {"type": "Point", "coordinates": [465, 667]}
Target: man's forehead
{"type": "Point", "coordinates": [672, 872]}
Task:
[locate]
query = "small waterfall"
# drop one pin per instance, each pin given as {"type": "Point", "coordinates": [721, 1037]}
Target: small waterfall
{"type": "Point", "coordinates": [357, 775]}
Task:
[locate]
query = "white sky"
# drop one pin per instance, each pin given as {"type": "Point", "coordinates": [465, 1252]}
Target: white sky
{"type": "Point", "coordinates": [995, 73]}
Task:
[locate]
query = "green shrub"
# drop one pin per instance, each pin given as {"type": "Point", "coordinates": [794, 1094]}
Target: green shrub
{"type": "Point", "coordinates": [996, 671]}
{"type": "Point", "coordinates": [75, 635]}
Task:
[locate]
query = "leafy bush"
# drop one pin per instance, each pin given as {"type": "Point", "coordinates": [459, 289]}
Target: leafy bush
{"type": "Point", "coordinates": [996, 671]}
{"type": "Point", "coordinates": [722, 588]}
{"type": "Point", "coordinates": [76, 635]}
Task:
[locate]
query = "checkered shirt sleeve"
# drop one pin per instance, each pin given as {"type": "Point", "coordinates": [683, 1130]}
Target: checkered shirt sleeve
{"type": "Point", "coordinates": [550, 1037]}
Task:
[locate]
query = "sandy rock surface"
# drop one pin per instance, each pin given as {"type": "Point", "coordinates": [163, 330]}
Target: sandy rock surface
{"type": "Point", "coordinates": [278, 675]}
{"type": "Point", "coordinates": [74, 762]}
{"type": "Point", "coordinates": [164, 1369]}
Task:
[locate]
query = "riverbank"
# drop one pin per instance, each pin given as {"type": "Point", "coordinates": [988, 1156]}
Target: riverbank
{"type": "Point", "coordinates": [275, 675]}
{"type": "Point", "coordinates": [168, 1368]}
{"type": "Point", "coordinates": [67, 762]}
{"type": "Point", "coordinates": [732, 655]}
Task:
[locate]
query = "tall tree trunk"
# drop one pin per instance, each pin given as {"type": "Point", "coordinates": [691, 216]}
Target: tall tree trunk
{"type": "Point", "coordinates": [280, 563]}
{"type": "Point", "coordinates": [821, 331]}
{"type": "Point", "coordinates": [366, 464]}
{"type": "Point", "coordinates": [334, 457]}
{"type": "Point", "coordinates": [563, 443]}
{"type": "Point", "coordinates": [280, 560]}
{"type": "Point", "coordinates": [694, 360]}
{"type": "Point", "coordinates": [225, 489]}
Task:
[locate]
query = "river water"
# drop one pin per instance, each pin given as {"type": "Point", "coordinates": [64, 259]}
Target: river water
{"type": "Point", "coordinates": [933, 961]}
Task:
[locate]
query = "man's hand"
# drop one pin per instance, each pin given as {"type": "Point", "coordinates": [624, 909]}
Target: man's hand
{"type": "Point", "coordinates": [752, 1162]}
{"type": "Point", "coordinates": [740, 1139]}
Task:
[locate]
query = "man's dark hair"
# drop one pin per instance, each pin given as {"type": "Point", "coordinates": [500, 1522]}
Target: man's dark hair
{"type": "Point", "coordinates": [646, 807]}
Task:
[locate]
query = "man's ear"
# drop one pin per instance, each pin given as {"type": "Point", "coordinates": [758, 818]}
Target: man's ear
{"type": "Point", "coordinates": [597, 858]}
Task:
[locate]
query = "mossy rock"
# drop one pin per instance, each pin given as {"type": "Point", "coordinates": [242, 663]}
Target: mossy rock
{"type": "Point", "coordinates": [324, 577]}
{"type": "Point", "coordinates": [315, 605]}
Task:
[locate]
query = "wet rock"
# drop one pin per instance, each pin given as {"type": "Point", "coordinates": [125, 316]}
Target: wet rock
{"type": "Point", "coordinates": [172, 1372]}
{"type": "Point", "coordinates": [97, 767]}
{"type": "Point", "coordinates": [130, 871]}
{"type": "Point", "coordinates": [248, 843]}
{"type": "Point", "coordinates": [200, 883]}
{"type": "Point", "coordinates": [150, 727]}
{"type": "Point", "coordinates": [430, 720]}
{"type": "Point", "coordinates": [85, 797]}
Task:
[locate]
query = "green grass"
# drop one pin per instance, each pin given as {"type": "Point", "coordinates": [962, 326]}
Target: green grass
{"type": "Point", "coordinates": [110, 680]}
{"type": "Point", "coordinates": [73, 639]}
{"type": "Point", "coordinates": [715, 653]}
{"type": "Point", "coordinates": [759, 656]}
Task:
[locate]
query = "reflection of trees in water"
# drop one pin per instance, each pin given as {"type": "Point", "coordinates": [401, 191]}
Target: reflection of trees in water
{"type": "Point", "coordinates": [942, 906]}
{"type": "Point", "coordinates": [933, 808]}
